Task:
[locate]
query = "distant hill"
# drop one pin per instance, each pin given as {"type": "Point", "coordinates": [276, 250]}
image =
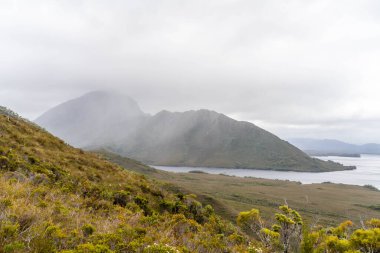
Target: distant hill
{"type": "Point", "coordinates": [333, 147]}
{"type": "Point", "coordinates": [194, 138]}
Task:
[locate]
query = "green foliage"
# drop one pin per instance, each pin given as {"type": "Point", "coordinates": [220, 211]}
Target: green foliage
{"type": "Point", "coordinates": [254, 249]}
{"type": "Point", "coordinates": [289, 234]}
{"type": "Point", "coordinates": [4, 162]}
{"type": "Point", "coordinates": [8, 230]}
{"type": "Point", "coordinates": [5, 203]}
{"type": "Point", "coordinates": [143, 204]}
{"type": "Point", "coordinates": [88, 230]}
{"type": "Point", "coordinates": [14, 247]}
{"type": "Point", "coordinates": [121, 198]}
{"type": "Point", "coordinates": [209, 210]}
{"type": "Point", "coordinates": [373, 223]}
{"type": "Point", "coordinates": [160, 248]}
{"type": "Point", "coordinates": [249, 217]}
{"type": "Point", "coordinates": [368, 240]}
{"type": "Point", "coordinates": [89, 248]}
{"type": "Point", "coordinates": [168, 206]}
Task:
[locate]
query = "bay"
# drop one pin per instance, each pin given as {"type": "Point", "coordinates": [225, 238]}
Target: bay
{"type": "Point", "coordinates": [367, 172]}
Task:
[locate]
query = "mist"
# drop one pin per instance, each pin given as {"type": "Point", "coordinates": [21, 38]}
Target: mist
{"type": "Point", "coordinates": [295, 68]}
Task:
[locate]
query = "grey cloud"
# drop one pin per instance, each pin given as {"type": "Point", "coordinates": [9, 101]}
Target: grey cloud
{"type": "Point", "coordinates": [282, 63]}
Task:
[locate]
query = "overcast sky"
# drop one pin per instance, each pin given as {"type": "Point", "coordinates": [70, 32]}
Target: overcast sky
{"type": "Point", "coordinates": [298, 68]}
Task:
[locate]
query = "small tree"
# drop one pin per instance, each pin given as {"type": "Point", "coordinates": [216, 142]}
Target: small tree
{"type": "Point", "coordinates": [288, 226]}
{"type": "Point", "coordinates": [252, 221]}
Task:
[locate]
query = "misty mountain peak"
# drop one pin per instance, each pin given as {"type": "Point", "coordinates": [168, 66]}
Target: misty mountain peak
{"type": "Point", "coordinates": [106, 101]}
{"type": "Point", "coordinates": [82, 120]}
{"type": "Point", "coordinates": [191, 114]}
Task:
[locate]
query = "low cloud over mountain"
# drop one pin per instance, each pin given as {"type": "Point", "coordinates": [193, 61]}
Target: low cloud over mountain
{"type": "Point", "coordinates": [192, 138]}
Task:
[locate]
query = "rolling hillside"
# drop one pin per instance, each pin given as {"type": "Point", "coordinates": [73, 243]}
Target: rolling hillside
{"type": "Point", "coordinates": [55, 198]}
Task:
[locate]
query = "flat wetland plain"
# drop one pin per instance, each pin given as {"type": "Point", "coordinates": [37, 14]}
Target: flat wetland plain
{"type": "Point", "coordinates": [325, 203]}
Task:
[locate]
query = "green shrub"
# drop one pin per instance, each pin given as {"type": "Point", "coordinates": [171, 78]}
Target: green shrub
{"type": "Point", "coordinates": [371, 187]}
{"type": "Point", "coordinates": [90, 248]}
{"type": "Point", "coordinates": [54, 232]}
{"type": "Point", "coordinates": [5, 203]}
{"type": "Point", "coordinates": [88, 230]}
{"type": "Point", "coordinates": [8, 230]}
{"type": "Point", "coordinates": [142, 202]}
{"type": "Point", "coordinates": [209, 210]}
{"type": "Point", "coordinates": [14, 247]}
{"type": "Point", "coordinates": [4, 162]}
{"type": "Point", "coordinates": [160, 248]}
{"type": "Point", "coordinates": [33, 160]}
{"type": "Point", "coordinates": [121, 198]}
{"type": "Point", "coordinates": [167, 206]}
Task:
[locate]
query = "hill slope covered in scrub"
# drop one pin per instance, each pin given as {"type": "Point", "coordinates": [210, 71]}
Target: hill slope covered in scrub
{"type": "Point", "coordinates": [54, 197]}
{"type": "Point", "coordinates": [200, 138]}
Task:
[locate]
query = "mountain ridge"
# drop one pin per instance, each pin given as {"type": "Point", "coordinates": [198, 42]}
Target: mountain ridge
{"type": "Point", "coordinates": [333, 147]}
{"type": "Point", "coordinates": [198, 138]}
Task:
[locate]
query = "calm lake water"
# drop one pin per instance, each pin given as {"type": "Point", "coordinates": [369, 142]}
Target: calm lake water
{"type": "Point", "coordinates": [367, 172]}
